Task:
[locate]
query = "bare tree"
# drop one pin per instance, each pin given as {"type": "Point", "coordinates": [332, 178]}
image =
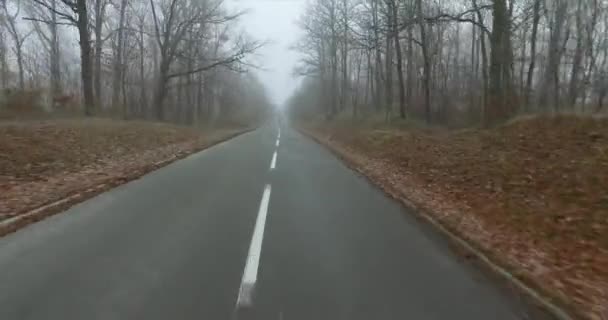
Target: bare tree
{"type": "Point", "coordinates": [345, 17]}
{"type": "Point", "coordinates": [532, 65]}
{"type": "Point", "coordinates": [577, 59]}
{"type": "Point", "coordinates": [550, 84]}
{"type": "Point", "coordinates": [76, 13]}
{"type": "Point", "coordinates": [118, 65]}
{"type": "Point", "coordinates": [501, 87]}
{"type": "Point", "coordinates": [421, 41]}
{"type": "Point", "coordinates": [399, 56]}
{"type": "Point", "coordinates": [46, 25]}
{"type": "Point", "coordinates": [173, 20]}
{"type": "Point", "coordinates": [4, 70]}
{"type": "Point", "coordinates": [18, 37]}
{"type": "Point", "coordinates": [99, 17]}
{"type": "Point", "coordinates": [426, 78]}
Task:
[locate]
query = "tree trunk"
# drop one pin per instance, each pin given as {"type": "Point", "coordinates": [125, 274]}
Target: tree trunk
{"type": "Point", "coordinates": [395, 31]}
{"type": "Point", "coordinates": [3, 62]}
{"type": "Point", "coordinates": [378, 54]}
{"type": "Point", "coordinates": [99, 16]}
{"type": "Point", "coordinates": [196, 110]}
{"type": "Point", "coordinates": [388, 84]}
{"type": "Point", "coordinates": [522, 65]}
{"type": "Point", "coordinates": [9, 23]}
{"type": "Point", "coordinates": [474, 67]}
{"type": "Point", "coordinates": [426, 64]}
{"type": "Point", "coordinates": [369, 75]}
{"type": "Point", "coordinates": [500, 89]}
{"type": "Point", "coordinates": [410, 68]}
{"type": "Point", "coordinates": [577, 59]}
{"type": "Point", "coordinates": [355, 95]}
{"type": "Point", "coordinates": [484, 61]}
{"type": "Point", "coordinates": [118, 57]}
{"type": "Point", "coordinates": [127, 107]}
{"type": "Point", "coordinates": [143, 103]}
{"type": "Point", "coordinates": [85, 56]}
{"type": "Point", "coordinates": [345, 84]}
{"type": "Point", "coordinates": [535, 22]}
{"type": "Point", "coordinates": [551, 77]}
{"type": "Point", "coordinates": [590, 47]}
{"type": "Point", "coordinates": [161, 90]}
{"type": "Point", "coordinates": [333, 61]}
{"type": "Point", "coordinates": [55, 55]}
{"type": "Point", "coordinates": [19, 53]}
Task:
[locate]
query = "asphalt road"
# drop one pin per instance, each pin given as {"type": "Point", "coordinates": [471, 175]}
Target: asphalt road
{"type": "Point", "coordinates": [197, 240]}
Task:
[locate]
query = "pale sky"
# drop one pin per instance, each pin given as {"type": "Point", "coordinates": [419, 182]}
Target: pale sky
{"type": "Point", "coordinates": [275, 21]}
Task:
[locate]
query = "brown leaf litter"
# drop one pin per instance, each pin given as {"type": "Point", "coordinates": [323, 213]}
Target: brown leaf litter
{"type": "Point", "coordinates": [42, 162]}
{"type": "Point", "coordinates": [533, 194]}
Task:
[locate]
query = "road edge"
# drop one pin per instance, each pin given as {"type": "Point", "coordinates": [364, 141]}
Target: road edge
{"type": "Point", "coordinates": [44, 211]}
{"type": "Point", "coordinates": [539, 296]}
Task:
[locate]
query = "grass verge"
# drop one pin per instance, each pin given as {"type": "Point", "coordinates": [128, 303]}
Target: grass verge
{"type": "Point", "coordinates": [47, 166]}
{"type": "Point", "coordinates": [531, 194]}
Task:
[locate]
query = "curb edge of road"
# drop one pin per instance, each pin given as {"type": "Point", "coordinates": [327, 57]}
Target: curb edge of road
{"type": "Point", "coordinates": [17, 222]}
{"type": "Point", "coordinates": [544, 300]}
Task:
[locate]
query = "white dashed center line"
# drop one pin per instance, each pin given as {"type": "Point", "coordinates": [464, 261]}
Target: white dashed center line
{"type": "Point", "coordinates": [250, 274]}
{"type": "Point", "coordinates": [273, 163]}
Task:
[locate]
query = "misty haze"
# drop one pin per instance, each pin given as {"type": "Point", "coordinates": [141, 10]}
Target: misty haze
{"type": "Point", "coordinates": [303, 159]}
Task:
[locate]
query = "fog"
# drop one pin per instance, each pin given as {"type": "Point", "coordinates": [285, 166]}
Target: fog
{"type": "Point", "coordinates": [273, 21]}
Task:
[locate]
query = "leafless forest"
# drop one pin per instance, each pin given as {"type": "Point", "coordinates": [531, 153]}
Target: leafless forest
{"type": "Point", "coordinates": [182, 61]}
{"type": "Point", "coordinates": [453, 62]}
{"type": "Point", "coordinates": [426, 98]}
{"type": "Point", "coordinates": [407, 70]}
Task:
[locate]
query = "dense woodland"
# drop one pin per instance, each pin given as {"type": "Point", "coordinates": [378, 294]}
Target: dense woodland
{"type": "Point", "coordinates": [452, 62]}
{"type": "Point", "coordinates": [170, 60]}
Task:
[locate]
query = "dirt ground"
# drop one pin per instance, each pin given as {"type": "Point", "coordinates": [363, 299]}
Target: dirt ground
{"type": "Point", "coordinates": [42, 162]}
{"type": "Point", "coordinates": [533, 194]}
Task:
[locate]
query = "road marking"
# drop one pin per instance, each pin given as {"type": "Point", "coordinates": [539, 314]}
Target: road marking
{"type": "Point", "coordinates": [277, 142]}
{"type": "Point", "coordinates": [273, 163]}
{"type": "Point", "coordinates": [250, 274]}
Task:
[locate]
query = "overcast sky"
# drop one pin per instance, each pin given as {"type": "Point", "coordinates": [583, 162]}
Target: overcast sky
{"type": "Point", "coordinates": [275, 21]}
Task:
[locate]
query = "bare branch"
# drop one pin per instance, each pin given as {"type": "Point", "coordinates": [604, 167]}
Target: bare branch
{"type": "Point", "coordinates": [460, 17]}
{"type": "Point", "coordinates": [48, 21]}
{"type": "Point", "coordinates": [156, 27]}
{"type": "Point", "coordinates": [63, 15]}
{"type": "Point", "coordinates": [236, 58]}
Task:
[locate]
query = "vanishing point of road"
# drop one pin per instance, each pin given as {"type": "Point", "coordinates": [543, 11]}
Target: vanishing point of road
{"type": "Point", "coordinates": [266, 226]}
